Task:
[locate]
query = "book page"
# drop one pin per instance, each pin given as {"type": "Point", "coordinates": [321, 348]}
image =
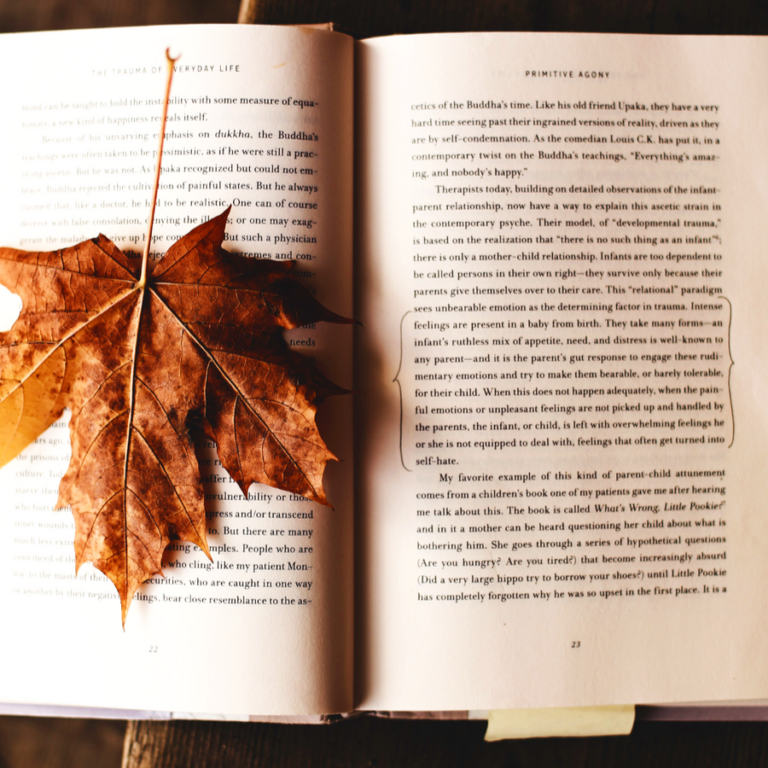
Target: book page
{"type": "Point", "coordinates": [259, 120]}
{"type": "Point", "coordinates": [562, 471]}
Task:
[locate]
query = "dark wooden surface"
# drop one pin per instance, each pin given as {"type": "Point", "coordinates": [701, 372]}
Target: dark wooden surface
{"type": "Point", "coordinates": [387, 17]}
{"type": "Point", "coordinates": [371, 743]}
{"type": "Point", "coordinates": [38, 15]}
{"type": "Point", "coordinates": [36, 742]}
{"type": "Point", "coordinates": [77, 743]}
{"type": "Point", "coordinates": [27, 742]}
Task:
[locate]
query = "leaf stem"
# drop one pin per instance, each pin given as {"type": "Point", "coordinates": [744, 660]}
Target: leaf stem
{"type": "Point", "coordinates": [158, 165]}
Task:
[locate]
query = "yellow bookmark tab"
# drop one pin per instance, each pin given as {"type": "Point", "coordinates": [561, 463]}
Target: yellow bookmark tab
{"type": "Point", "coordinates": [559, 721]}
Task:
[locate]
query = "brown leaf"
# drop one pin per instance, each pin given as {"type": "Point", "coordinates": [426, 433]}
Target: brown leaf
{"type": "Point", "coordinates": [144, 369]}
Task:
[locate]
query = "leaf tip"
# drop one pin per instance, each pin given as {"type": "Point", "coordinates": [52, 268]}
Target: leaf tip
{"type": "Point", "coordinates": [205, 550]}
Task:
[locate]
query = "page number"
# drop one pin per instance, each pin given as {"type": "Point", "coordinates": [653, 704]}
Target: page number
{"type": "Point", "coordinates": [153, 649]}
{"type": "Point", "coordinates": [576, 644]}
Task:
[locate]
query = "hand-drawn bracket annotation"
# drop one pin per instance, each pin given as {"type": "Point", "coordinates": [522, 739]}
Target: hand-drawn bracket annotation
{"type": "Point", "coordinates": [511, 366]}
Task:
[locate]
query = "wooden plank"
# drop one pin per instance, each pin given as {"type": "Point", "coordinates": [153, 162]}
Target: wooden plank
{"type": "Point", "coordinates": [38, 15]}
{"type": "Point", "coordinates": [36, 742]}
{"type": "Point", "coordinates": [413, 744]}
{"type": "Point", "coordinates": [389, 17]}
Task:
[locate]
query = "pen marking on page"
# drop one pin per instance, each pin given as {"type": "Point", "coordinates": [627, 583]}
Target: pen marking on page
{"type": "Point", "coordinates": [400, 389]}
{"type": "Point", "coordinates": [730, 394]}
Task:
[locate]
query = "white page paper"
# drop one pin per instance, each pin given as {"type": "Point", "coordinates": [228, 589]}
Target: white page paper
{"type": "Point", "coordinates": [548, 516]}
{"type": "Point", "coordinates": [254, 113]}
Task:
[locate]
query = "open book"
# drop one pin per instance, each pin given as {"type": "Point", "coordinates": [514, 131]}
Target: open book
{"type": "Point", "coordinates": [555, 495]}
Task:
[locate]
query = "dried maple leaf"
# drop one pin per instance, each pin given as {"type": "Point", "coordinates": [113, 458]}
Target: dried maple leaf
{"type": "Point", "coordinates": [142, 368]}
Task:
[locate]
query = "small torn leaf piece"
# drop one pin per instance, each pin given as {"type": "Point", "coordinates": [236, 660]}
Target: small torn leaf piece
{"type": "Point", "coordinates": [142, 369]}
